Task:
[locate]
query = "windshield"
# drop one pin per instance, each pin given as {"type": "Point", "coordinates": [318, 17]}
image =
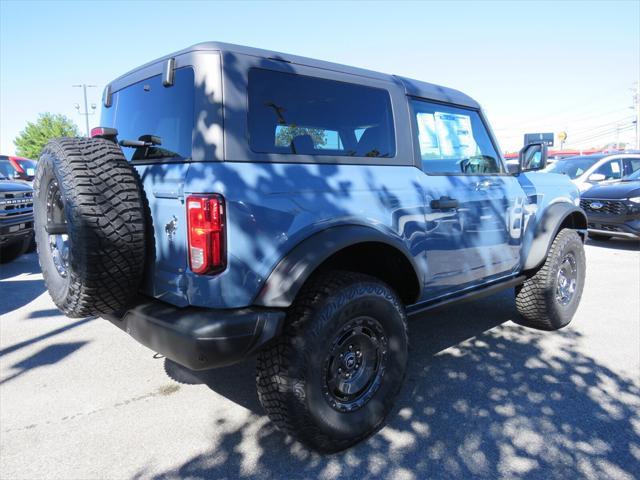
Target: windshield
{"type": "Point", "coordinates": [28, 168]}
{"type": "Point", "coordinates": [6, 170]}
{"type": "Point", "coordinates": [571, 168]}
{"type": "Point", "coordinates": [25, 163]}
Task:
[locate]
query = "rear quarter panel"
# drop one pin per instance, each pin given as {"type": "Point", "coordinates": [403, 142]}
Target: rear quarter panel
{"type": "Point", "coordinates": [273, 207]}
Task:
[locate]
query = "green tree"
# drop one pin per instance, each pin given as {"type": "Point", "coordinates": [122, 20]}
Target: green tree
{"type": "Point", "coordinates": [30, 141]}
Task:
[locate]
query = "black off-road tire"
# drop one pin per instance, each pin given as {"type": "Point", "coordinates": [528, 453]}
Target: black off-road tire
{"type": "Point", "coordinates": [537, 299]}
{"type": "Point", "coordinates": [102, 205]}
{"type": "Point", "coordinates": [11, 251]}
{"type": "Point", "coordinates": [290, 382]}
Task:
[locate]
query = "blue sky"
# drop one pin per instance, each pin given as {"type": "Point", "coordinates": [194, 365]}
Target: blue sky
{"type": "Point", "coordinates": [534, 66]}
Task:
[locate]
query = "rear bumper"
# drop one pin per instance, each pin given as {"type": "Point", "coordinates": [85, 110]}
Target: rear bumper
{"type": "Point", "coordinates": [199, 338]}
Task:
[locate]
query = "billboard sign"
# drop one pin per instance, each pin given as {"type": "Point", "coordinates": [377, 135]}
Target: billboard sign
{"type": "Point", "coordinates": [546, 138]}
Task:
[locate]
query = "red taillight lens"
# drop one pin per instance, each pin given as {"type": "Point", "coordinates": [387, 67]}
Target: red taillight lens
{"type": "Point", "coordinates": [207, 246]}
{"type": "Point", "coordinates": [104, 132]}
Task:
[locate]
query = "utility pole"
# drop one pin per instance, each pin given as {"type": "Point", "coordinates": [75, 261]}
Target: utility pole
{"type": "Point", "coordinates": [86, 112]}
{"type": "Point", "coordinates": [636, 104]}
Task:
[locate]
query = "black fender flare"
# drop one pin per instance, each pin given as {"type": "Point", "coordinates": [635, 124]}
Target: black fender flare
{"type": "Point", "coordinates": [293, 270]}
{"type": "Point", "coordinates": [540, 239]}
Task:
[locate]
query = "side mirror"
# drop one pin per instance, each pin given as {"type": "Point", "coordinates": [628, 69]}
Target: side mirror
{"type": "Point", "coordinates": [596, 177]}
{"type": "Point", "coordinates": [532, 157]}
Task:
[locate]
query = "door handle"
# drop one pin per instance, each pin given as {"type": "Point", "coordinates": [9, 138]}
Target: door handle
{"type": "Point", "coordinates": [444, 203]}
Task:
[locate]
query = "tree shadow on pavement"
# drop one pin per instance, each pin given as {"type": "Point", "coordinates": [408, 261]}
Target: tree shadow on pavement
{"type": "Point", "coordinates": [484, 398]}
{"type": "Point", "coordinates": [44, 336]}
{"type": "Point", "coordinates": [47, 356]}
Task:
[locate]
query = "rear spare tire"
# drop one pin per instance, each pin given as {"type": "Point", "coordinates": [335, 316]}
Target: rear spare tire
{"type": "Point", "coordinates": [89, 225]}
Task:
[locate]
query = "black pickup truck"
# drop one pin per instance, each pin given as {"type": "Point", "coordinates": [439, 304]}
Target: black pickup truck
{"type": "Point", "coordinates": [16, 218]}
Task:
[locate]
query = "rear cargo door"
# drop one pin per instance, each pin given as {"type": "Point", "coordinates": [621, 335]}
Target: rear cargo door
{"type": "Point", "coordinates": [163, 118]}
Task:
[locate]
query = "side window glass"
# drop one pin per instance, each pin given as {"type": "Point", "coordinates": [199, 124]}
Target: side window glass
{"type": "Point", "coordinates": [454, 141]}
{"type": "Point", "coordinates": [611, 170]}
{"type": "Point", "coordinates": [634, 165]}
{"type": "Point", "coordinates": [303, 115]}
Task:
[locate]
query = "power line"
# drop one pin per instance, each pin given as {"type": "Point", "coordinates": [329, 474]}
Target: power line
{"type": "Point", "coordinates": [610, 131]}
{"type": "Point", "coordinates": [580, 131]}
{"type": "Point", "coordinates": [636, 107]}
{"type": "Point", "coordinates": [601, 127]}
{"type": "Point", "coordinates": [602, 135]}
{"type": "Point", "coordinates": [565, 112]}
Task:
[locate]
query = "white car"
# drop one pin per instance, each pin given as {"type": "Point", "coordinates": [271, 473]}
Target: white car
{"type": "Point", "coordinates": [588, 170]}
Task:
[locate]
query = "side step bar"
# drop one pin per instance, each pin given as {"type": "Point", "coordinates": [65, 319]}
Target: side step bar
{"type": "Point", "coordinates": [422, 307]}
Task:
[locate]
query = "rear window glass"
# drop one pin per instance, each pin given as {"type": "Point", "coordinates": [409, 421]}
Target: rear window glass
{"type": "Point", "coordinates": [149, 108]}
{"type": "Point", "coordinates": [296, 114]}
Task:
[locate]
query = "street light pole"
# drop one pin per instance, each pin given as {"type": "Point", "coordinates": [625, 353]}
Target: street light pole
{"type": "Point", "coordinates": [637, 105]}
{"type": "Point", "coordinates": [86, 112]}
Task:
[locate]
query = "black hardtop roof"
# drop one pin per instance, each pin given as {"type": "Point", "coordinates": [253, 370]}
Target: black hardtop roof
{"type": "Point", "coordinates": [412, 87]}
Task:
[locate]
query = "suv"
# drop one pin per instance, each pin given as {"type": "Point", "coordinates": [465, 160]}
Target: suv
{"type": "Point", "coordinates": [239, 201]}
{"type": "Point", "coordinates": [17, 167]}
{"type": "Point", "coordinates": [613, 208]}
{"type": "Point", "coordinates": [589, 170]}
{"type": "Point", "coordinates": [16, 217]}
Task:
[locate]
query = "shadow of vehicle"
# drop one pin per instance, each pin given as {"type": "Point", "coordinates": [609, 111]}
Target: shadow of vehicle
{"type": "Point", "coordinates": [483, 398]}
{"type": "Point", "coordinates": [627, 244]}
{"type": "Point", "coordinates": [25, 264]}
{"type": "Point", "coordinates": [17, 293]}
{"type": "Point", "coordinates": [237, 382]}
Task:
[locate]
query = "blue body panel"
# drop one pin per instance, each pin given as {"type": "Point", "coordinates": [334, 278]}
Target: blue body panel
{"type": "Point", "coordinates": [271, 208]}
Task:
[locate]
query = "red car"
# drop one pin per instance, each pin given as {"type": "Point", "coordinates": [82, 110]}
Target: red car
{"type": "Point", "coordinates": [17, 168]}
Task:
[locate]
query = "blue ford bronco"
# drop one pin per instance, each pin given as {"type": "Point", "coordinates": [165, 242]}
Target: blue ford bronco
{"type": "Point", "coordinates": [239, 201]}
{"type": "Point", "coordinates": [16, 214]}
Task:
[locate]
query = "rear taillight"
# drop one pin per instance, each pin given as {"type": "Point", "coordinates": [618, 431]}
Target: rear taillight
{"type": "Point", "coordinates": [206, 223]}
{"type": "Point", "coordinates": [104, 132]}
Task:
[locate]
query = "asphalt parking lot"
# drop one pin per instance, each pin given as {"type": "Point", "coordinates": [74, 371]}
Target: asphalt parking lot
{"type": "Point", "coordinates": [484, 396]}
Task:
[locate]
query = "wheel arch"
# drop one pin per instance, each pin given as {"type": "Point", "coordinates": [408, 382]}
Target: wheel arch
{"type": "Point", "coordinates": [556, 217]}
{"type": "Point", "coordinates": [348, 247]}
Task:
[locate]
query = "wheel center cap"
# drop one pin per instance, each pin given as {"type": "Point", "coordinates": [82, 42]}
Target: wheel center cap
{"type": "Point", "coordinates": [349, 361]}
